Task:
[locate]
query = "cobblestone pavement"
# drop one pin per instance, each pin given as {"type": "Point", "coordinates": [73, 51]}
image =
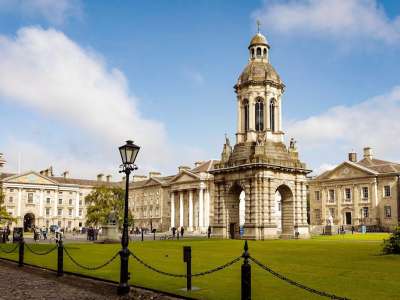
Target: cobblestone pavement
{"type": "Point", "coordinates": [33, 283]}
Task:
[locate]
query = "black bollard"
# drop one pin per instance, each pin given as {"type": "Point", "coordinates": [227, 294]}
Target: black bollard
{"type": "Point", "coordinates": [142, 235]}
{"type": "Point", "coordinates": [187, 258]}
{"type": "Point", "coordinates": [21, 253]}
{"type": "Point", "coordinates": [60, 258]}
{"type": "Point", "coordinates": [246, 274]}
{"type": "Point", "coordinates": [154, 235]}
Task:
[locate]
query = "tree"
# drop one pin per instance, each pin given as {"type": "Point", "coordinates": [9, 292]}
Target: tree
{"type": "Point", "coordinates": [392, 245]}
{"type": "Point", "coordinates": [4, 215]}
{"type": "Point", "coordinates": [101, 202]}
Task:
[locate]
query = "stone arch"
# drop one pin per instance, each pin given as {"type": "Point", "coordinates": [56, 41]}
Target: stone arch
{"type": "Point", "coordinates": [233, 204]}
{"type": "Point", "coordinates": [287, 211]}
{"type": "Point", "coordinates": [29, 221]}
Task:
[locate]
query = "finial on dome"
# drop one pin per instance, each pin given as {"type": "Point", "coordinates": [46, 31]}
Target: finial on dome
{"type": "Point", "coordinates": [258, 25]}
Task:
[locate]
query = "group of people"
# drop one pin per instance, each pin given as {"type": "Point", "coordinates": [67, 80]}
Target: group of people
{"type": "Point", "coordinates": [5, 237]}
{"type": "Point", "coordinates": [181, 231]}
{"type": "Point", "coordinates": [92, 234]}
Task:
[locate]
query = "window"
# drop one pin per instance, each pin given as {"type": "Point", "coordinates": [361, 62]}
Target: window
{"type": "Point", "coordinates": [70, 212]}
{"type": "Point", "coordinates": [317, 195]}
{"type": "Point", "coordinates": [48, 200]}
{"type": "Point", "coordinates": [387, 190]}
{"type": "Point", "coordinates": [47, 211]}
{"type": "Point", "coordinates": [70, 193]}
{"type": "Point", "coordinates": [11, 190]}
{"type": "Point", "coordinates": [10, 199]}
{"type": "Point", "coordinates": [388, 211]}
{"type": "Point", "coordinates": [272, 115]}
{"type": "Point", "coordinates": [347, 194]}
{"type": "Point", "coordinates": [80, 212]}
{"type": "Point", "coordinates": [10, 213]}
{"type": "Point", "coordinates": [47, 223]}
{"type": "Point", "coordinates": [80, 201]}
{"type": "Point", "coordinates": [365, 212]}
{"type": "Point", "coordinates": [60, 193]}
{"type": "Point", "coordinates": [265, 52]}
{"type": "Point", "coordinates": [60, 201]}
{"type": "Point", "coordinates": [70, 201]}
{"type": "Point", "coordinates": [331, 195]}
{"type": "Point", "coordinates": [59, 223]}
{"type": "Point", "coordinates": [259, 115]}
{"type": "Point", "coordinates": [246, 115]}
{"type": "Point", "coordinates": [69, 224]}
{"type": "Point", "coordinates": [30, 197]}
{"type": "Point", "coordinates": [80, 194]}
{"type": "Point", "coordinates": [252, 52]}
{"type": "Point", "coordinates": [317, 214]}
{"type": "Point", "coordinates": [48, 192]}
{"type": "Point", "coordinates": [59, 212]}
{"type": "Point", "coordinates": [258, 52]}
{"type": "Point", "coordinates": [365, 193]}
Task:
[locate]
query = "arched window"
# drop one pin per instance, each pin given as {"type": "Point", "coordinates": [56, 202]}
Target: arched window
{"type": "Point", "coordinates": [258, 52]}
{"type": "Point", "coordinates": [272, 114]}
{"type": "Point", "coordinates": [265, 52]}
{"type": "Point", "coordinates": [246, 115]}
{"type": "Point", "coordinates": [252, 52]}
{"type": "Point", "coordinates": [259, 114]}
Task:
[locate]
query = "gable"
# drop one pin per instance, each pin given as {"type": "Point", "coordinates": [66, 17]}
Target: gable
{"type": "Point", "coordinates": [184, 177]}
{"type": "Point", "coordinates": [30, 178]}
{"type": "Point", "coordinates": [346, 171]}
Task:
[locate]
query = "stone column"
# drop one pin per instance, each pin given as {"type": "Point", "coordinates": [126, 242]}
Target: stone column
{"type": "Point", "coordinates": [279, 114]}
{"type": "Point", "coordinates": [55, 203]}
{"type": "Point", "coordinates": [190, 210]}
{"type": "Point", "coordinates": [207, 209]}
{"type": "Point", "coordinates": [201, 208]}
{"type": "Point", "coordinates": [172, 210]}
{"type": "Point", "coordinates": [41, 203]}
{"type": "Point", "coordinates": [19, 204]}
{"type": "Point", "coordinates": [77, 205]}
{"type": "Point", "coordinates": [181, 208]}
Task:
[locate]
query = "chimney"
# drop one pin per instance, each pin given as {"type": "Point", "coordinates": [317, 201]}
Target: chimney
{"type": "Point", "coordinates": [154, 174]}
{"type": "Point", "coordinates": [353, 156]}
{"type": "Point", "coordinates": [65, 174]}
{"type": "Point", "coordinates": [100, 177]}
{"type": "Point", "coordinates": [181, 168]}
{"type": "Point", "coordinates": [108, 178]}
{"type": "Point", "coordinates": [137, 178]}
{"type": "Point", "coordinates": [367, 153]}
{"type": "Point", "coordinates": [198, 163]}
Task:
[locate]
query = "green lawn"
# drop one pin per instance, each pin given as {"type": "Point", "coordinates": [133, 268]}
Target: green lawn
{"type": "Point", "coordinates": [346, 265]}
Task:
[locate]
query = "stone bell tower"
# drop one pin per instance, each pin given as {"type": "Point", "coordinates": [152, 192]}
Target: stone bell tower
{"type": "Point", "coordinates": [269, 173]}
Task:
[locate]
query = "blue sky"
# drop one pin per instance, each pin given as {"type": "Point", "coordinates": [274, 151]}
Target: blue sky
{"type": "Point", "coordinates": [173, 65]}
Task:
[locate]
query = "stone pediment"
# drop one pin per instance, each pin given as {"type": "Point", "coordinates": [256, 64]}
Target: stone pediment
{"type": "Point", "coordinates": [184, 176]}
{"type": "Point", "coordinates": [347, 170]}
{"type": "Point", "coordinates": [30, 178]}
{"type": "Point", "coordinates": [152, 182]}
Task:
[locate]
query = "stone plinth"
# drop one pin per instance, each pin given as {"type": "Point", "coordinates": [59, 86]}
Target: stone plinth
{"type": "Point", "coordinates": [330, 230]}
{"type": "Point", "coordinates": [109, 234]}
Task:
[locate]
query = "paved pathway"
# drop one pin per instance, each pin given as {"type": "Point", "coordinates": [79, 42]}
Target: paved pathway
{"type": "Point", "coordinates": [33, 283]}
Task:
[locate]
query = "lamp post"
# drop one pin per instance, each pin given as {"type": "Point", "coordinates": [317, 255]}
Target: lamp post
{"type": "Point", "coordinates": [128, 153]}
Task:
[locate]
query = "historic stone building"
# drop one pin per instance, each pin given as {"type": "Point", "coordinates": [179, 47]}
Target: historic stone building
{"type": "Point", "coordinates": [364, 192]}
{"type": "Point", "coordinates": [42, 199]}
{"type": "Point", "coordinates": [259, 164]}
{"type": "Point", "coordinates": [181, 200]}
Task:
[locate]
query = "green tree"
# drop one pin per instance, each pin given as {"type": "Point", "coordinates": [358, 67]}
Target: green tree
{"type": "Point", "coordinates": [4, 215]}
{"type": "Point", "coordinates": [101, 202]}
{"type": "Point", "coordinates": [392, 245]}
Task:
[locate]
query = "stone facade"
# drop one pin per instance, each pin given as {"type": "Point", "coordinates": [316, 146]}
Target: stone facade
{"type": "Point", "coordinates": [42, 199]}
{"type": "Point", "coordinates": [260, 164]}
{"type": "Point", "coordinates": [364, 192]}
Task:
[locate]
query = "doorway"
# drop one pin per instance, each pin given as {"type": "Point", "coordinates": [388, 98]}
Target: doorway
{"type": "Point", "coordinates": [29, 221]}
{"type": "Point", "coordinates": [286, 215]}
{"type": "Point", "coordinates": [348, 217]}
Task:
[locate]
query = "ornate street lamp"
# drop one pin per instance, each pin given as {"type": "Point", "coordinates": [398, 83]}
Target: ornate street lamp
{"type": "Point", "coordinates": [128, 152]}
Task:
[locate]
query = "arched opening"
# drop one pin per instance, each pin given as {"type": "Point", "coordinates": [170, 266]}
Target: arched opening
{"type": "Point", "coordinates": [246, 115]}
{"type": "Point", "coordinates": [258, 52]}
{"type": "Point", "coordinates": [285, 198]}
{"type": "Point", "coordinates": [29, 221]}
{"type": "Point", "coordinates": [265, 52]}
{"type": "Point", "coordinates": [278, 211]}
{"type": "Point", "coordinates": [235, 203]}
{"type": "Point", "coordinates": [252, 52]}
{"type": "Point", "coordinates": [272, 114]}
{"type": "Point", "coordinates": [259, 111]}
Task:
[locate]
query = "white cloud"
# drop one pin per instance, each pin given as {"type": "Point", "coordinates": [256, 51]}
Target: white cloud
{"type": "Point", "coordinates": [55, 11]}
{"type": "Point", "coordinates": [329, 136]}
{"type": "Point", "coordinates": [46, 71]}
{"type": "Point", "coordinates": [339, 19]}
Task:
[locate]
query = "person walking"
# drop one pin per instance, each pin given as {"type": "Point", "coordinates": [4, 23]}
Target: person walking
{"type": "Point", "coordinates": [182, 231]}
{"type": "Point", "coordinates": [352, 229]}
{"type": "Point", "coordinates": [209, 232]}
{"type": "Point", "coordinates": [173, 231]}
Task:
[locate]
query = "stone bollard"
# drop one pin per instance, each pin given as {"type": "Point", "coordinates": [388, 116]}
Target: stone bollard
{"type": "Point", "coordinates": [21, 253]}
{"type": "Point", "coordinates": [60, 258]}
{"type": "Point", "coordinates": [246, 274]}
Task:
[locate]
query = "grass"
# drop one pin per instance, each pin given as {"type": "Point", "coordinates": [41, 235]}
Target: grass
{"type": "Point", "coordinates": [346, 265]}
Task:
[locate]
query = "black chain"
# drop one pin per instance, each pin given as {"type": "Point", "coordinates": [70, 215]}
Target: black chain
{"type": "Point", "coordinates": [154, 269]}
{"type": "Point", "coordinates": [184, 275]}
{"type": "Point", "coordinates": [41, 253]}
{"type": "Point", "coordinates": [90, 268]}
{"type": "Point", "coordinates": [292, 282]}
{"type": "Point", "coordinates": [228, 264]}
{"type": "Point", "coordinates": [11, 251]}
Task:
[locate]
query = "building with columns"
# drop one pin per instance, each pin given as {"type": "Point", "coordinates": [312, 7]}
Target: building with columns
{"type": "Point", "coordinates": [42, 199]}
{"type": "Point", "coordinates": [357, 192]}
{"type": "Point", "coordinates": [259, 168]}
